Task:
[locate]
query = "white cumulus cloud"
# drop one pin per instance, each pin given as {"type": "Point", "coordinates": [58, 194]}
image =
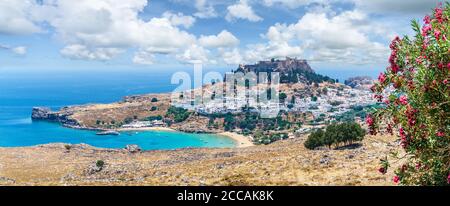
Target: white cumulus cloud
{"type": "Point", "coordinates": [19, 50]}
{"type": "Point", "coordinates": [102, 29]}
{"type": "Point", "coordinates": [348, 37]}
{"type": "Point", "coordinates": [15, 17]}
{"type": "Point", "coordinates": [292, 4]}
{"type": "Point", "coordinates": [242, 10]}
{"type": "Point", "coordinates": [195, 55]}
{"type": "Point", "coordinates": [143, 57]}
{"type": "Point", "coordinates": [232, 57]}
{"type": "Point", "coordinates": [223, 39]}
{"type": "Point", "coordinates": [77, 51]}
{"type": "Point", "coordinates": [179, 19]}
{"type": "Point", "coordinates": [204, 9]}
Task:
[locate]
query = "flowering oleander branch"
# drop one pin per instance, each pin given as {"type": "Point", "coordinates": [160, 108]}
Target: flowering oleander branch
{"type": "Point", "coordinates": [415, 92]}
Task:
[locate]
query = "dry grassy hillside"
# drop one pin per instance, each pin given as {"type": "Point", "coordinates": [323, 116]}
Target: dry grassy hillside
{"type": "Point", "coordinates": [112, 115]}
{"type": "Point", "coordinates": [281, 163]}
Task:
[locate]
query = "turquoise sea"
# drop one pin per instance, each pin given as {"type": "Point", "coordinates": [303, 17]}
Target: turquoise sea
{"type": "Point", "coordinates": [20, 91]}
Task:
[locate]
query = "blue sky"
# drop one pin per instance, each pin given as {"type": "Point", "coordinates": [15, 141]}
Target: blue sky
{"type": "Point", "coordinates": [173, 34]}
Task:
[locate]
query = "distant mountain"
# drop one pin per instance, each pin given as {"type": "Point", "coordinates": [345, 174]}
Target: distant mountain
{"type": "Point", "coordinates": [291, 70]}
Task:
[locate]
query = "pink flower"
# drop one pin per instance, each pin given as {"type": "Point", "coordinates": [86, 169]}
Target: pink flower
{"type": "Point", "coordinates": [437, 34]}
{"type": "Point", "coordinates": [404, 141]}
{"type": "Point", "coordinates": [448, 178]}
{"type": "Point", "coordinates": [438, 14]}
{"type": "Point", "coordinates": [378, 97]}
{"type": "Point", "coordinates": [448, 66]}
{"type": "Point", "coordinates": [396, 179]}
{"type": "Point", "coordinates": [382, 77]}
{"type": "Point", "coordinates": [395, 69]}
{"type": "Point", "coordinates": [404, 100]}
{"type": "Point", "coordinates": [440, 134]}
{"type": "Point", "coordinates": [445, 81]}
{"type": "Point", "coordinates": [427, 19]}
{"type": "Point", "coordinates": [369, 120]}
{"type": "Point", "coordinates": [425, 30]}
{"type": "Point", "coordinates": [394, 42]}
{"type": "Point", "coordinates": [411, 122]}
{"type": "Point", "coordinates": [418, 165]}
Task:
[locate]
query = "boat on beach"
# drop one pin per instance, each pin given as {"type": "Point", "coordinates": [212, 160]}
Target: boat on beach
{"type": "Point", "coordinates": [109, 132]}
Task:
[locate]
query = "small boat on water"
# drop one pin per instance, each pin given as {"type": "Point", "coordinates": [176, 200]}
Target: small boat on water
{"type": "Point", "coordinates": [109, 132]}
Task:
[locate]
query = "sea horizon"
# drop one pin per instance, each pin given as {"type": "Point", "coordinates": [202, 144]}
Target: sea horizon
{"type": "Point", "coordinates": [57, 89]}
{"type": "Point", "coordinates": [19, 94]}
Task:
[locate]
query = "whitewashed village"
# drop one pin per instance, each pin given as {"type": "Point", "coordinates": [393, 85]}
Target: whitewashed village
{"type": "Point", "coordinates": [324, 100]}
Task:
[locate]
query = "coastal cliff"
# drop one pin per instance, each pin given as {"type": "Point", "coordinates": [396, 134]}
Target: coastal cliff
{"type": "Point", "coordinates": [106, 116]}
{"type": "Point", "coordinates": [46, 114]}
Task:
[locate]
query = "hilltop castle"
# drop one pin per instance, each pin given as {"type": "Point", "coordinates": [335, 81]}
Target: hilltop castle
{"type": "Point", "coordinates": [291, 70]}
{"type": "Point", "coordinates": [289, 65]}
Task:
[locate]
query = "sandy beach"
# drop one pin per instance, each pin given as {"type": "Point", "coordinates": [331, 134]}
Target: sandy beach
{"type": "Point", "coordinates": [242, 141]}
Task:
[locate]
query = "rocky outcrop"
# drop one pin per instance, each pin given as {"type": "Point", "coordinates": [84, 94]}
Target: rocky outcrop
{"type": "Point", "coordinates": [291, 70]}
{"type": "Point", "coordinates": [41, 113]}
{"type": "Point", "coordinates": [133, 148]}
{"type": "Point", "coordinates": [282, 66]}
{"type": "Point", "coordinates": [46, 114]}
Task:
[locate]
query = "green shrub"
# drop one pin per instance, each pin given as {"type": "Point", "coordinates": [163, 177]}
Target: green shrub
{"type": "Point", "coordinates": [152, 118]}
{"type": "Point", "coordinates": [282, 97]}
{"type": "Point", "coordinates": [100, 163]}
{"type": "Point", "coordinates": [229, 122]}
{"type": "Point", "coordinates": [260, 138]}
{"type": "Point", "coordinates": [314, 140]}
{"type": "Point", "coordinates": [68, 146]}
{"type": "Point", "coordinates": [128, 120]}
{"type": "Point", "coordinates": [336, 134]}
{"type": "Point", "coordinates": [178, 114]}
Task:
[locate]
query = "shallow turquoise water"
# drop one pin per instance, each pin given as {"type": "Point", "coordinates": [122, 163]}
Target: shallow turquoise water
{"type": "Point", "coordinates": [27, 133]}
{"type": "Point", "coordinates": [20, 92]}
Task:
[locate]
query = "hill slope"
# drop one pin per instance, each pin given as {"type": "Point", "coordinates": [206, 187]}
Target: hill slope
{"type": "Point", "coordinates": [281, 163]}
